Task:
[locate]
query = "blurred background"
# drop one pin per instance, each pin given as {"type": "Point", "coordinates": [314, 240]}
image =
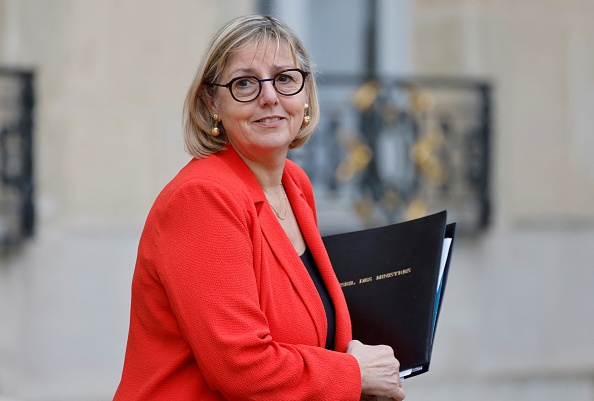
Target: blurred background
{"type": "Point", "coordinates": [484, 108]}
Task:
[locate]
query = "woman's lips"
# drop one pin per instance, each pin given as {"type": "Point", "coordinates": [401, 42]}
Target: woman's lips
{"type": "Point", "coordinates": [268, 120]}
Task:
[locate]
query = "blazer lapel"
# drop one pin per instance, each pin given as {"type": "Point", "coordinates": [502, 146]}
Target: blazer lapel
{"type": "Point", "coordinates": [290, 261]}
{"type": "Point", "coordinates": [306, 219]}
{"type": "Point", "coordinates": [279, 242]}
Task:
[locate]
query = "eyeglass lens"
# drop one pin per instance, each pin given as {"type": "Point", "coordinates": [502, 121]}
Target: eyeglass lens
{"type": "Point", "coordinates": [286, 83]}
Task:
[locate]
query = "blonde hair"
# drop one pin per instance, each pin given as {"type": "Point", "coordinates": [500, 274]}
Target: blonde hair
{"type": "Point", "coordinates": [197, 121]}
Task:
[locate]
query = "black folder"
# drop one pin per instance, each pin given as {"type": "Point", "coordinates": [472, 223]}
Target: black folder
{"type": "Point", "coordinates": [393, 279]}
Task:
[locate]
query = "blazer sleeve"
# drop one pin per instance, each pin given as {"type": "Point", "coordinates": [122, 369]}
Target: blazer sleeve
{"type": "Point", "coordinates": [204, 252]}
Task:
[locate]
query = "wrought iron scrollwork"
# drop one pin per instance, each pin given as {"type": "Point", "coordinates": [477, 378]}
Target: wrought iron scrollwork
{"type": "Point", "coordinates": [401, 149]}
{"type": "Point", "coordinates": [17, 209]}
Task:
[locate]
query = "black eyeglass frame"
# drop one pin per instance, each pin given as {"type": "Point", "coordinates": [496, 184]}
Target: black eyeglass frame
{"type": "Point", "coordinates": [229, 84]}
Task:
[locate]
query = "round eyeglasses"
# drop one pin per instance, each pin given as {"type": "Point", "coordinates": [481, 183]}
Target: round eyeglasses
{"type": "Point", "coordinates": [248, 88]}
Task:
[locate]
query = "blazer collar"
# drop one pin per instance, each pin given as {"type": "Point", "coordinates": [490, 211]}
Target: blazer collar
{"type": "Point", "coordinates": [239, 167]}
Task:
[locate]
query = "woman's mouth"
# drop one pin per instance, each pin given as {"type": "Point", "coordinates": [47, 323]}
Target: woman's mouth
{"type": "Point", "coordinates": [269, 120]}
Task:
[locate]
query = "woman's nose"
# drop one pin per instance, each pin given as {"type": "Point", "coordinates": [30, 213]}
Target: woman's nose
{"type": "Point", "coordinates": [269, 95]}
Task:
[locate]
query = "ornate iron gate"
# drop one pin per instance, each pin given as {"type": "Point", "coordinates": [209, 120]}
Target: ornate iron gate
{"type": "Point", "coordinates": [403, 148]}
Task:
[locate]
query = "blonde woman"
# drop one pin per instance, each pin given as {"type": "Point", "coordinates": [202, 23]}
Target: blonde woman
{"type": "Point", "coordinates": [233, 295]}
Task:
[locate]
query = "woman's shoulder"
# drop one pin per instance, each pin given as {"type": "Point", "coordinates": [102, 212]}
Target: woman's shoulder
{"type": "Point", "coordinates": [210, 168]}
{"type": "Point", "coordinates": [210, 174]}
{"type": "Point", "coordinates": [224, 167]}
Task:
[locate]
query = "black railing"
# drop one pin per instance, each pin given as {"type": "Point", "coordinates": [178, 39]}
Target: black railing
{"type": "Point", "coordinates": [17, 211]}
{"type": "Point", "coordinates": [403, 148]}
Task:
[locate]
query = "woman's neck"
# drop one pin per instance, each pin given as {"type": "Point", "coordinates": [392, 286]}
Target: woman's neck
{"type": "Point", "coordinates": [269, 177]}
{"type": "Point", "coordinates": [268, 171]}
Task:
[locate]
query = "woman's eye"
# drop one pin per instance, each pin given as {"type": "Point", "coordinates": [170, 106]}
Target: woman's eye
{"type": "Point", "coordinates": [244, 83]}
{"type": "Point", "coordinates": [283, 79]}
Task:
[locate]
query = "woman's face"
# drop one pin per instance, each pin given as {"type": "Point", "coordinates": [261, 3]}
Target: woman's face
{"type": "Point", "coordinates": [266, 126]}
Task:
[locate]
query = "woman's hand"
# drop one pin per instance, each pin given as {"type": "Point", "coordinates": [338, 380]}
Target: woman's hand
{"type": "Point", "coordinates": [379, 370]}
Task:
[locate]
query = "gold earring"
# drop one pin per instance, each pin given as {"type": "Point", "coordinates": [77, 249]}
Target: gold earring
{"type": "Point", "coordinates": [215, 130]}
{"type": "Point", "coordinates": [306, 117]}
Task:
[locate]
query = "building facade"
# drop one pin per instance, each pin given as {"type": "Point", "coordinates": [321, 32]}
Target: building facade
{"type": "Point", "coordinates": [110, 81]}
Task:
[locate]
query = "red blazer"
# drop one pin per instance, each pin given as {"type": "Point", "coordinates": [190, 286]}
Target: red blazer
{"type": "Point", "coordinates": [222, 306]}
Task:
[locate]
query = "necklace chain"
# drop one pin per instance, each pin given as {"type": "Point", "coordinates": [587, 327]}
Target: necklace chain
{"type": "Point", "coordinates": [284, 216]}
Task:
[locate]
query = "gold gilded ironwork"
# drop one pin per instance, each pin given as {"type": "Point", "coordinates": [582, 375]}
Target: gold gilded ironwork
{"type": "Point", "coordinates": [365, 208]}
{"type": "Point", "coordinates": [419, 101]}
{"type": "Point", "coordinates": [390, 113]}
{"type": "Point", "coordinates": [391, 200]}
{"type": "Point", "coordinates": [425, 155]}
{"type": "Point", "coordinates": [416, 208]}
{"type": "Point", "coordinates": [357, 158]}
{"type": "Point", "coordinates": [366, 95]}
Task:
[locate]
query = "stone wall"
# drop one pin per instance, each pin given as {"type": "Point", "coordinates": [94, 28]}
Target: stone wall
{"type": "Point", "coordinates": [517, 319]}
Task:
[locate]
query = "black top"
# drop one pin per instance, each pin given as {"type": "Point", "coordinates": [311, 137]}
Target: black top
{"type": "Point", "coordinates": [312, 268]}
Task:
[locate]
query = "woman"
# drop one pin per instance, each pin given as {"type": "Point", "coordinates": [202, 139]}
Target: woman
{"type": "Point", "coordinates": [233, 295]}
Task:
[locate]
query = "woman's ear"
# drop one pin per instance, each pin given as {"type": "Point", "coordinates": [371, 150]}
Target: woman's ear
{"type": "Point", "coordinates": [209, 99]}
